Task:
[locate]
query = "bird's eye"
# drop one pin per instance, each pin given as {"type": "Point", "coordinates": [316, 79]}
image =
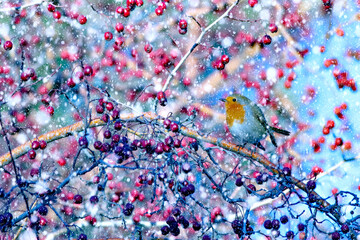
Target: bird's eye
{"type": "Point", "coordinates": [234, 99]}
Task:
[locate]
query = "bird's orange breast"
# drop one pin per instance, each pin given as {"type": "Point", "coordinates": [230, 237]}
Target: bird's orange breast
{"type": "Point", "coordinates": [234, 111]}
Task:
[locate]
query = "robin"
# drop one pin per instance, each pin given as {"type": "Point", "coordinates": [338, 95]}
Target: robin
{"type": "Point", "coordinates": [247, 122]}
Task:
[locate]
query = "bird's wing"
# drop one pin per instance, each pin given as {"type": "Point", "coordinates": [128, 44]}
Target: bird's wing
{"type": "Point", "coordinates": [260, 116]}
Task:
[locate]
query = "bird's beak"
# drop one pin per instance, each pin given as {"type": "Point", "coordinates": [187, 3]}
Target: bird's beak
{"type": "Point", "coordinates": [222, 99]}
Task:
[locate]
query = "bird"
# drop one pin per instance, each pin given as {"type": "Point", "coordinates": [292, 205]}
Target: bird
{"type": "Point", "coordinates": [247, 123]}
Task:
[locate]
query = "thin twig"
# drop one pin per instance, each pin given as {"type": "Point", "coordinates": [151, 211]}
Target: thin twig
{"type": "Point", "coordinates": [197, 42]}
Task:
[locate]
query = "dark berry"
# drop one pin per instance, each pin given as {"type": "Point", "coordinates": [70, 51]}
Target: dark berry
{"type": "Point", "coordinates": [268, 224]}
{"type": "Point", "coordinates": [82, 237]}
{"type": "Point", "coordinates": [43, 210]}
{"type": "Point", "coordinates": [94, 199]}
{"type": "Point", "coordinates": [239, 181]}
{"type": "Point", "coordinates": [284, 219]}
{"type": "Point", "coordinates": [335, 236]}
{"type": "Point", "coordinates": [290, 234]}
{"type": "Point", "coordinates": [165, 230]}
{"type": "Point", "coordinates": [311, 185]}
{"type": "Point", "coordinates": [275, 224]}
{"type": "Point", "coordinates": [345, 228]}
{"type": "Point", "coordinates": [196, 226]}
{"type": "Point", "coordinates": [251, 188]}
{"type": "Point", "coordinates": [118, 125]}
{"type": "Point", "coordinates": [301, 227]}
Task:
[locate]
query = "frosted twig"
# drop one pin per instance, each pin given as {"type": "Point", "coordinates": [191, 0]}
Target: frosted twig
{"type": "Point", "coordinates": [197, 42]}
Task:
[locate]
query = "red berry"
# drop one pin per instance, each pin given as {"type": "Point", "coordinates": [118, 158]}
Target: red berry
{"type": "Point", "coordinates": [159, 11]}
{"type": "Point", "coordinates": [35, 145]}
{"type": "Point", "coordinates": [61, 161]}
{"type": "Point", "coordinates": [88, 71]}
{"type": "Point", "coordinates": [120, 10]}
{"type": "Point", "coordinates": [347, 145]}
{"type": "Point", "coordinates": [24, 77]}
{"type": "Point", "coordinates": [326, 130]}
{"type": "Point", "coordinates": [57, 15]}
{"type": "Point", "coordinates": [148, 48]}
{"type": "Point", "coordinates": [330, 124]}
{"type": "Point", "coordinates": [225, 59]}
{"type": "Point", "coordinates": [130, 3]}
{"type": "Point", "coordinates": [139, 3]}
{"type": "Point", "coordinates": [119, 27]}
{"type": "Point", "coordinates": [161, 95]}
{"type": "Point", "coordinates": [182, 31]}
{"type": "Point", "coordinates": [252, 3]}
{"type": "Point", "coordinates": [186, 81]}
{"type": "Point", "coordinates": [126, 12]}
{"type": "Point", "coordinates": [43, 144]}
{"type": "Point", "coordinates": [219, 65]}
{"type": "Point", "coordinates": [109, 106]}
{"type": "Point", "coordinates": [8, 45]}
{"type": "Point", "coordinates": [82, 19]}
{"type": "Point", "coordinates": [51, 8]}
{"type": "Point", "coordinates": [174, 127]}
{"type": "Point", "coordinates": [119, 41]}
{"type": "Point", "coordinates": [338, 141]}
{"type": "Point", "coordinates": [266, 40]}
{"type": "Point", "coordinates": [108, 36]}
{"type": "Point", "coordinates": [70, 82]}
{"type": "Point", "coordinates": [50, 110]}
{"type": "Point", "coordinates": [32, 154]}
{"type": "Point", "coordinates": [273, 28]}
{"type": "Point", "coordinates": [183, 24]}
{"type": "Point", "coordinates": [322, 49]}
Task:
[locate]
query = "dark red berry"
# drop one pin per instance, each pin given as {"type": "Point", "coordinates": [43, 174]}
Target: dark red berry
{"type": "Point", "coordinates": [35, 145]}
{"type": "Point", "coordinates": [174, 127]}
{"type": "Point", "coordinates": [78, 199]}
{"type": "Point", "coordinates": [43, 144]}
{"type": "Point", "coordinates": [32, 154]}
{"type": "Point", "coordinates": [88, 71]}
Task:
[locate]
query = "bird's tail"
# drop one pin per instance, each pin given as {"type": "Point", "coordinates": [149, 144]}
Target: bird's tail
{"type": "Point", "coordinates": [281, 131]}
